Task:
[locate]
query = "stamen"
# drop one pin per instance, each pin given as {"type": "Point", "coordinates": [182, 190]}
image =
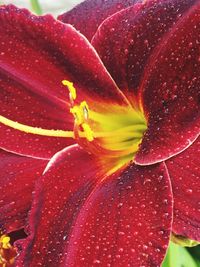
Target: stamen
{"type": "Point", "coordinates": [88, 132]}
{"type": "Point", "coordinates": [78, 115]}
{"type": "Point", "coordinates": [7, 251]}
{"type": "Point", "coordinates": [35, 130]}
{"type": "Point", "coordinates": [81, 115]}
{"type": "Point", "coordinates": [71, 88]}
{"type": "Point", "coordinates": [60, 133]}
{"type": "Point", "coordinates": [5, 242]}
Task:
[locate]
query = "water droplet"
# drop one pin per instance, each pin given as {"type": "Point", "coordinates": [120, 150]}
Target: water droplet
{"type": "Point", "coordinates": [120, 205]}
{"type": "Point", "coordinates": [165, 201]}
{"type": "Point", "coordinates": [145, 247]}
{"type": "Point", "coordinates": [64, 237]}
{"type": "Point", "coordinates": [189, 191]}
{"type": "Point", "coordinates": [96, 261]}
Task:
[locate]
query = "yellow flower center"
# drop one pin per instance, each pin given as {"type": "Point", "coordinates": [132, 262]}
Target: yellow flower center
{"type": "Point", "coordinates": [116, 133]}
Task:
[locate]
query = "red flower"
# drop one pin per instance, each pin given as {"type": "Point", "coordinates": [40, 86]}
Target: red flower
{"type": "Point", "coordinates": [126, 137]}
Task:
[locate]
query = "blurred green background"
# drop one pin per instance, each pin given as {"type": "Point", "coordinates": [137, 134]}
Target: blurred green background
{"type": "Point", "coordinates": [47, 6]}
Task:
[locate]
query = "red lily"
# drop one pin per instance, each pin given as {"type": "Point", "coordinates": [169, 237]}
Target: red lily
{"type": "Point", "coordinates": [95, 204]}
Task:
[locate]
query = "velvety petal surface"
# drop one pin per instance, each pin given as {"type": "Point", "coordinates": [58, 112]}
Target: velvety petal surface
{"type": "Point", "coordinates": [17, 179]}
{"type": "Point", "coordinates": [87, 16]}
{"type": "Point", "coordinates": [170, 91]}
{"type": "Point", "coordinates": [154, 48]}
{"type": "Point", "coordinates": [184, 171]}
{"type": "Point", "coordinates": [126, 40]}
{"type": "Point", "coordinates": [80, 217]}
{"type": "Point", "coordinates": [37, 53]}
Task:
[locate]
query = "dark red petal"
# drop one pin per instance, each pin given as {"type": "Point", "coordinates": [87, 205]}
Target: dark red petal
{"type": "Point", "coordinates": [184, 171]}
{"type": "Point", "coordinates": [171, 91]}
{"type": "Point", "coordinates": [37, 53]}
{"type": "Point", "coordinates": [17, 179]}
{"type": "Point", "coordinates": [87, 16]}
{"type": "Point", "coordinates": [125, 41]}
{"type": "Point", "coordinates": [83, 218]}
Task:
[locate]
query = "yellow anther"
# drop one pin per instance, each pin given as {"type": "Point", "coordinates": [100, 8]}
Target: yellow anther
{"type": "Point", "coordinates": [7, 251]}
{"type": "Point", "coordinates": [71, 88]}
{"type": "Point", "coordinates": [78, 114]}
{"type": "Point", "coordinates": [88, 132]}
{"type": "Point", "coordinates": [5, 242]}
{"type": "Point", "coordinates": [85, 108]}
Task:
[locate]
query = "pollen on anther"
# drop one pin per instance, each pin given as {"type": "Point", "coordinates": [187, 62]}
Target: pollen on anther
{"type": "Point", "coordinates": [71, 88]}
{"type": "Point", "coordinates": [77, 112]}
{"type": "Point", "coordinates": [7, 251]}
{"type": "Point", "coordinates": [5, 242]}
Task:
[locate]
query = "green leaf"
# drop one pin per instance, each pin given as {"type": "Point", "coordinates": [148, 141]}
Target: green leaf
{"type": "Point", "coordinates": [195, 252]}
{"type": "Point", "coordinates": [36, 7]}
{"type": "Point", "coordinates": [178, 256]}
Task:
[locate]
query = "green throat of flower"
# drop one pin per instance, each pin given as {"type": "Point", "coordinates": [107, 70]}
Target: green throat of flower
{"type": "Point", "coordinates": [110, 131]}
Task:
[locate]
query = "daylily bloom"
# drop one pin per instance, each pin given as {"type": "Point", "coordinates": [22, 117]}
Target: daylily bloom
{"type": "Point", "coordinates": [118, 116]}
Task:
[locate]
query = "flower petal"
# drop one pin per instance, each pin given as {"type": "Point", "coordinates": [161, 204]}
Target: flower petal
{"type": "Point", "coordinates": [125, 41]}
{"type": "Point", "coordinates": [87, 16]}
{"type": "Point", "coordinates": [184, 172]}
{"type": "Point", "coordinates": [37, 53]}
{"type": "Point", "coordinates": [83, 218]}
{"type": "Point", "coordinates": [171, 92]}
{"type": "Point", "coordinates": [17, 179]}
{"type": "Point", "coordinates": [172, 102]}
